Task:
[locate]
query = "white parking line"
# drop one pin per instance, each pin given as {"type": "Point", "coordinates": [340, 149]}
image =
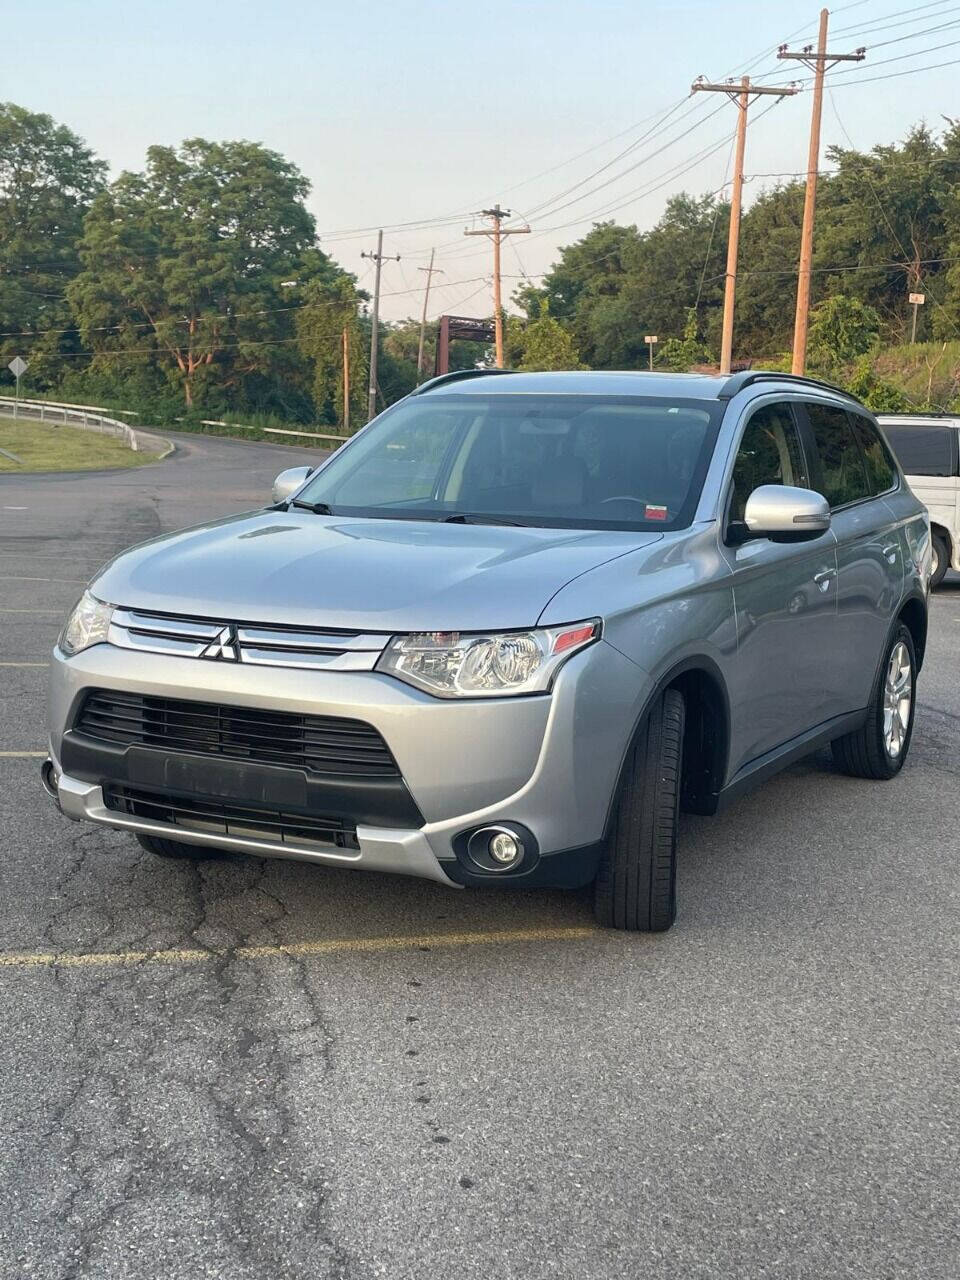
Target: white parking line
{"type": "Point", "coordinates": [57, 613]}
{"type": "Point", "coordinates": [17, 577]}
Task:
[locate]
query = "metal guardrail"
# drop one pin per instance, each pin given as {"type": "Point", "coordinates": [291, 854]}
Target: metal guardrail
{"type": "Point", "coordinates": [86, 417]}
{"type": "Point", "coordinates": [273, 431]}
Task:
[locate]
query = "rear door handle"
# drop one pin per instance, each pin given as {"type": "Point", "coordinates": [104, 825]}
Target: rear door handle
{"type": "Point", "coordinates": [822, 579]}
{"type": "Point", "coordinates": [890, 552]}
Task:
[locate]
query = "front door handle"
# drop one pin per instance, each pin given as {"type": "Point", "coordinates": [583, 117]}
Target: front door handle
{"type": "Point", "coordinates": [890, 552]}
{"type": "Point", "coordinates": [822, 579]}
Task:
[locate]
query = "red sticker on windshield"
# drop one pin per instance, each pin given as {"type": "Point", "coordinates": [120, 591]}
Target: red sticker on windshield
{"type": "Point", "coordinates": [652, 512]}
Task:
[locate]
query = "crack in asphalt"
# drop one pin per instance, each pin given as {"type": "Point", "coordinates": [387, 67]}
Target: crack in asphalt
{"type": "Point", "coordinates": [269, 1197]}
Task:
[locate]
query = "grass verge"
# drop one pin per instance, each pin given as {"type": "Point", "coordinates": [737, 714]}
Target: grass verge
{"type": "Point", "coordinates": [41, 447]}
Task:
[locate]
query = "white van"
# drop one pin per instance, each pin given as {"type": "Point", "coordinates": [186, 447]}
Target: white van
{"type": "Point", "coordinates": [928, 447]}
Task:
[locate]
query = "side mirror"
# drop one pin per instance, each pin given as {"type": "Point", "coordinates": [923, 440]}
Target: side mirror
{"type": "Point", "coordinates": [289, 481]}
{"type": "Point", "coordinates": [785, 514]}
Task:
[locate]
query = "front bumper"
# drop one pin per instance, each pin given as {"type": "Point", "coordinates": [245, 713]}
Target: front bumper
{"type": "Point", "coordinates": [381, 849]}
{"type": "Point", "coordinates": [549, 763]}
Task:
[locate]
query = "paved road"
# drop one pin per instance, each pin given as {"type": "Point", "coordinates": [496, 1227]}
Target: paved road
{"type": "Point", "coordinates": [769, 1090]}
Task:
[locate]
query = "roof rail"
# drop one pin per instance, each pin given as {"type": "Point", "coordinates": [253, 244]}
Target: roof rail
{"type": "Point", "coordinates": [737, 381]}
{"type": "Point", "coordinates": [458, 375]}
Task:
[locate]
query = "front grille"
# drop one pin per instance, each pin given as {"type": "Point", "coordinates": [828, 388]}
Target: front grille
{"type": "Point", "coordinates": [325, 745]}
{"type": "Point", "coordinates": [222, 818]}
{"type": "Point", "coordinates": [249, 643]}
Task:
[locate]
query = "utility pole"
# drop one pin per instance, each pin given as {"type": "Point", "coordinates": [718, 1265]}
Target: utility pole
{"type": "Point", "coordinates": [817, 62]}
{"type": "Point", "coordinates": [378, 258]}
{"type": "Point", "coordinates": [741, 96]}
{"type": "Point", "coordinates": [346, 381]}
{"type": "Point", "coordinates": [431, 271]}
{"type": "Point", "coordinates": [497, 233]}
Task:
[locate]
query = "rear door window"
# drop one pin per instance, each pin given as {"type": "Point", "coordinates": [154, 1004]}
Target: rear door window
{"type": "Point", "coordinates": [843, 472]}
{"type": "Point", "coordinates": [925, 451]}
{"type": "Point", "coordinates": [881, 470]}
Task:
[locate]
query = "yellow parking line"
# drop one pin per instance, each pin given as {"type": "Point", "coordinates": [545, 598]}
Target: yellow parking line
{"type": "Point", "coordinates": [22, 755]}
{"type": "Point", "coordinates": [292, 950]}
{"type": "Point", "coordinates": [24, 664]}
{"type": "Point", "coordinates": [56, 612]}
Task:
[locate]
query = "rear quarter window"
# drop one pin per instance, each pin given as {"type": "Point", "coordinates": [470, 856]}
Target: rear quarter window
{"type": "Point", "coordinates": [881, 468]}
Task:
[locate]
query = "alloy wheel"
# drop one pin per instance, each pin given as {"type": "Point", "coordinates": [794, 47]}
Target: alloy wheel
{"type": "Point", "coordinates": [897, 700]}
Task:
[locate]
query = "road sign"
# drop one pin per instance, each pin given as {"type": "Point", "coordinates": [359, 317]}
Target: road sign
{"type": "Point", "coordinates": [918, 299]}
{"type": "Point", "coordinates": [651, 338]}
{"type": "Point", "coordinates": [18, 366]}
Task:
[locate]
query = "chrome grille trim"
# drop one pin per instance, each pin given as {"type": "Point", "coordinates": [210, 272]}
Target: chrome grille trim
{"type": "Point", "coordinates": [156, 624]}
{"type": "Point", "coordinates": [326, 640]}
{"type": "Point", "coordinates": [264, 646]}
{"type": "Point", "coordinates": [319, 660]}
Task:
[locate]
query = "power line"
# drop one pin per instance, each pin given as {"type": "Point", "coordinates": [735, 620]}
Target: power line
{"type": "Point", "coordinates": [879, 23]}
{"type": "Point", "coordinates": [609, 164]}
{"type": "Point", "coordinates": [914, 35]}
{"type": "Point", "coordinates": [544, 173]}
{"type": "Point", "coordinates": [895, 75]}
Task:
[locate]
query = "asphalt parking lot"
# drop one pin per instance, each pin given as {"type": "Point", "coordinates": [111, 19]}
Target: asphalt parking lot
{"type": "Point", "coordinates": [262, 1070]}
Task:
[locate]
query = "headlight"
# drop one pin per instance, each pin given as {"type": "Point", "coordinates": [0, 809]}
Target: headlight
{"type": "Point", "coordinates": [451, 664]}
{"type": "Point", "coordinates": [88, 624]}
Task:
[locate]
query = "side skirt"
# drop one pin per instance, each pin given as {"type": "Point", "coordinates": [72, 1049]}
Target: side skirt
{"type": "Point", "coordinates": [765, 766]}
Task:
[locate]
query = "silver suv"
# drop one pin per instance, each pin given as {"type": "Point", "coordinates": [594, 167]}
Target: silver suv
{"type": "Point", "coordinates": [506, 632]}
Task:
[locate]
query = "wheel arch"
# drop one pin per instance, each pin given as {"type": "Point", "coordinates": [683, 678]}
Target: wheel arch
{"type": "Point", "coordinates": [706, 743]}
{"type": "Point", "coordinates": [913, 615]}
{"type": "Point", "coordinates": [943, 532]}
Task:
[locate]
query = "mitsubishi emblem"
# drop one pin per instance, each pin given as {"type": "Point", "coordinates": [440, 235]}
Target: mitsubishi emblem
{"type": "Point", "coordinates": [224, 647]}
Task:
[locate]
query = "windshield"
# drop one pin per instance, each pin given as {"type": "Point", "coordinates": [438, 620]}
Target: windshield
{"type": "Point", "coordinates": [579, 461]}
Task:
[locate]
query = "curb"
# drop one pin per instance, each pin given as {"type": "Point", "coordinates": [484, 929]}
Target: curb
{"type": "Point", "coordinates": [167, 446]}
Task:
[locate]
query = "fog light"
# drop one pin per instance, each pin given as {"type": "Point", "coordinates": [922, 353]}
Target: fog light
{"type": "Point", "coordinates": [504, 848]}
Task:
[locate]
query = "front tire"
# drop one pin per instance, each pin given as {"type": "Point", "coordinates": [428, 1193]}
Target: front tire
{"type": "Point", "coordinates": [879, 747]}
{"type": "Point", "coordinates": [636, 887]}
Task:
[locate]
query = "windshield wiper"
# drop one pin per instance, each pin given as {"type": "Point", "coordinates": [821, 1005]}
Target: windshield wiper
{"type": "Point", "coordinates": [461, 518]}
{"type": "Point", "coordinates": [318, 508]}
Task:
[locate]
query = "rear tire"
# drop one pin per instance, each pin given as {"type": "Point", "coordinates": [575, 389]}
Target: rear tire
{"type": "Point", "coordinates": [175, 849]}
{"type": "Point", "coordinates": [941, 560]}
{"type": "Point", "coordinates": [636, 886]}
{"type": "Point", "coordinates": [879, 747]}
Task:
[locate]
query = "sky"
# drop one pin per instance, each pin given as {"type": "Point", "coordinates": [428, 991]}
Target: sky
{"type": "Point", "coordinates": [406, 112]}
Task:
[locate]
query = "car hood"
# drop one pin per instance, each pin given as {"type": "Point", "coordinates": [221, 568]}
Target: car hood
{"type": "Point", "coordinates": [300, 569]}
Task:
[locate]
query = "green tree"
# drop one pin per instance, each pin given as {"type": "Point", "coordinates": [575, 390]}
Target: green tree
{"type": "Point", "coordinates": [683, 353]}
{"type": "Point", "coordinates": [617, 284]}
{"type": "Point", "coordinates": [183, 266]}
{"type": "Point", "coordinates": [48, 178]}
{"type": "Point", "coordinates": [877, 393]}
{"type": "Point", "coordinates": [541, 344]}
{"type": "Point", "coordinates": [841, 329]}
{"type": "Point", "coordinates": [329, 311]}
